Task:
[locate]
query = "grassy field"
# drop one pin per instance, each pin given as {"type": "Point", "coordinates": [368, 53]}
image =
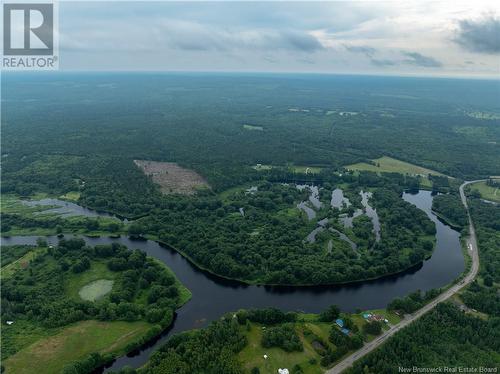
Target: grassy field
{"type": "Point", "coordinates": [303, 169]}
{"type": "Point", "coordinates": [253, 355]}
{"type": "Point", "coordinates": [71, 196]}
{"type": "Point", "coordinates": [306, 169]}
{"type": "Point", "coordinates": [96, 289]}
{"type": "Point", "coordinates": [51, 353]}
{"type": "Point", "coordinates": [28, 345]}
{"type": "Point", "coordinates": [11, 204]}
{"type": "Point", "coordinates": [487, 192]}
{"type": "Point", "coordinates": [308, 360]}
{"type": "Point", "coordinates": [21, 263]}
{"type": "Point", "coordinates": [97, 271]}
{"type": "Point", "coordinates": [224, 195]}
{"type": "Point", "coordinates": [391, 165]}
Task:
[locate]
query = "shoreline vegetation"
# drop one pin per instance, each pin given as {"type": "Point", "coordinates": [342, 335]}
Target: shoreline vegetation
{"type": "Point", "coordinates": [270, 209]}
{"type": "Point", "coordinates": [125, 318]}
{"type": "Point", "coordinates": [49, 232]}
{"type": "Point", "coordinates": [242, 281]}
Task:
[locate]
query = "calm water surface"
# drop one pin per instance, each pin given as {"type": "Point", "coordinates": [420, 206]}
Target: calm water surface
{"type": "Point", "coordinates": [213, 296]}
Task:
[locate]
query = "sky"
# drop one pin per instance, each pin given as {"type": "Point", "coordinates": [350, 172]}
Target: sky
{"type": "Point", "coordinates": [437, 38]}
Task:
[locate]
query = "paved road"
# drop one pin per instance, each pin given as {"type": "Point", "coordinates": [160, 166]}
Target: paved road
{"type": "Point", "coordinates": [471, 247]}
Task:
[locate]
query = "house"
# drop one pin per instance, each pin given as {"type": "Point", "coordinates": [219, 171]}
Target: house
{"type": "Point", "coordinates": [377, 317]}
{"type": "Point", "coordinates": [283, 371]}
{"type": "Point", "coordinates": [340, 323]}
{"type": "Point", "coordinates": [10, 322]}
{"type": "Point", "coordinates": [345, 331]}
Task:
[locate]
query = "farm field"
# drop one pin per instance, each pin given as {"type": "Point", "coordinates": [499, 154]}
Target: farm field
{"type": "Point", "coordinates": [391, 165]}
{"type": "Point", "coordinates": [50, 354]}
{"type": "Point", "coordinates": [487, 192]}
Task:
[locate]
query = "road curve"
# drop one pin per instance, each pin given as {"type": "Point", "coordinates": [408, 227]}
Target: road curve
{"type": "Point", "coordinates": [472, 249]}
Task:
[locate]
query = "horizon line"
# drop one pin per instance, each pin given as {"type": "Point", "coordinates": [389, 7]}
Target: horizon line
{"type": "Point", "coordinates": [495, 77]}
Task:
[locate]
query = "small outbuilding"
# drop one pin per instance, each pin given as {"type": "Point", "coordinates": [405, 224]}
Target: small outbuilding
{"type": "Point", "coordinates": [340, 323]}
{"type": "Point", "coordinates": [283, 371]}
{"type": "Point", "coordinates": [10, 322]}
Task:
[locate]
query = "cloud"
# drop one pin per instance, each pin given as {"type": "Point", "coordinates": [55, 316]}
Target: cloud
{"type": "Point", "coordinates": [481, 35]}
{"type": "Point", "coordinates": [418, 59]}
{"type": "Point", "coordinates": [367, 51]}
{"type": "Point", "coordinates": [382, 63]}
{"type": "Point", "coordinates": [297, 41]}
{"type": "Point", "coordinates": [182, 35]}
{"type": "Point", "coordinates": [371, 37]}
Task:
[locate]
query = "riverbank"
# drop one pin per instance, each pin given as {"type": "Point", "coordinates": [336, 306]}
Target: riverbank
{"type": "Point", "coordinates": [257, 283]}
{"type": "Point", "coordinates": [471, 243]}
{"type": "Point", "coordinates": [213, 296]}
{"type": "Point", "coordinates": [109, 325]}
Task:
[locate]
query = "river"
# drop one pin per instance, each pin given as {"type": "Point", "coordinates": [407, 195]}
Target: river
{"type": "Point", "coordinates": [214, 296]}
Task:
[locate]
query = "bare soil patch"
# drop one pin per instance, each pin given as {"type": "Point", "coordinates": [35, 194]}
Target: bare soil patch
{"type": "Point", "coordinates": [171, 177]}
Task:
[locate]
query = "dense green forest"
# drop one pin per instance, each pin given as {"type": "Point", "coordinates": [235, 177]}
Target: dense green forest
{"type": "Point", "coordinates": [447, 336]}
{"type": "Point", "coordinates": [198, 121]}
{"type": "Point", "coordinates": [443, 337]}
{"type": "Point", "coordinates": [54, 289]}
{"type": "Point", "coordinates": [79, 133]}
{"type": "Point", "coordinates": [450, 207]}
{"type": "Point", "coordinates": [266, 244]}
{"type": "Point", "coordinates": [484, 293]}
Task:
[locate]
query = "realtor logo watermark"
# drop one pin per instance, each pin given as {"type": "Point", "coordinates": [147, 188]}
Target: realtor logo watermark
{"type": "Point", "coordinates": [448, 369]}
{"type": "Point", "coordinates": [30, 37]}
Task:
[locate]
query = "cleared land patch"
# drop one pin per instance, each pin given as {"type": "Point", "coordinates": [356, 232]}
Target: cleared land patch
{"type": "Point", "coordinates": [96, 289]}
{"type": "Point", "coordinates": [391, 165]}
{"type": "Point", "coordinates": [51, 354]}
{"type": "Point", "coordinates": [72, 196]}
{"type": "Point", "coordinates": [306, 169]}
{"type": "Point", "coordinates": [487, 192]}
{"type": "Point", "coordinates": [303, 169]}
{"type": "Point", "coordinates": [21, 263]}
{"type": "Point", "coordinates": [171, 177]}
